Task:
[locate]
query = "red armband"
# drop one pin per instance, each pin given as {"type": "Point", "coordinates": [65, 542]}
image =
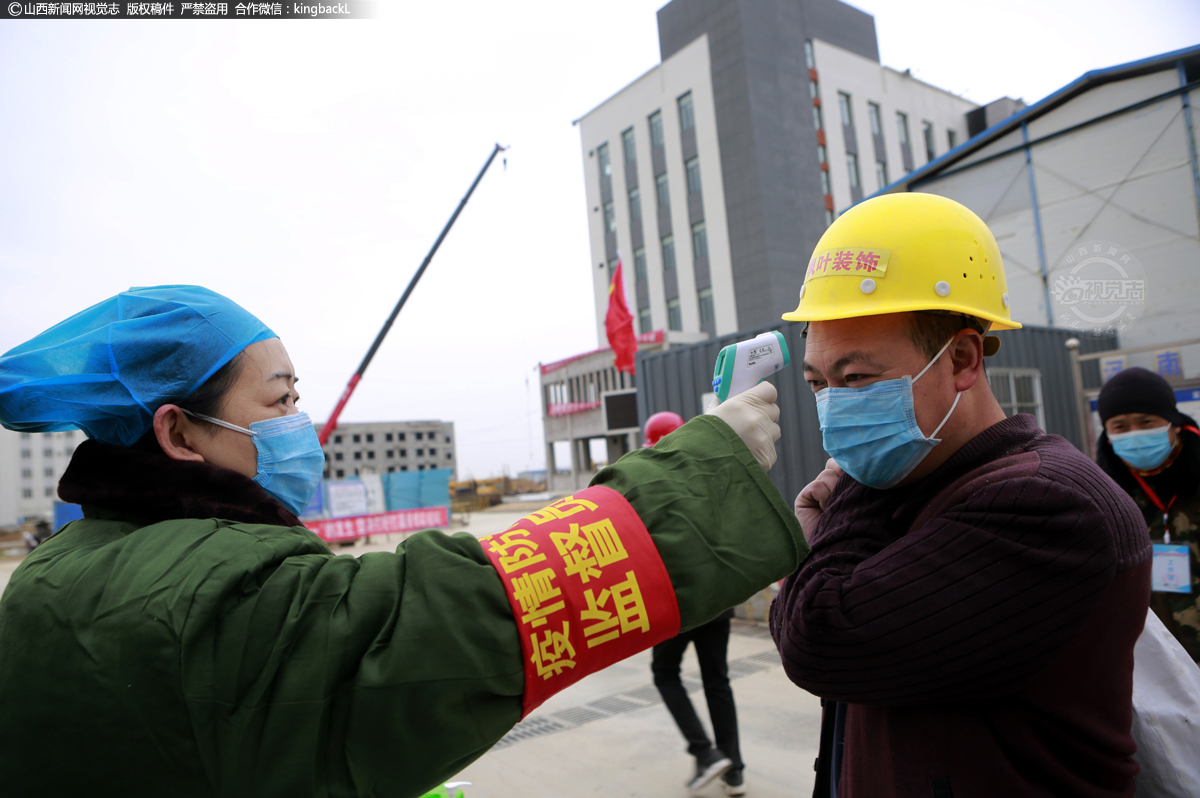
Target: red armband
{"type": "Point", "coordinates": [587, 587]}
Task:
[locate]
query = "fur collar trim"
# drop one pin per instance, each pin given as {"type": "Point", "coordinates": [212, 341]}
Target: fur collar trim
{"type": "Point", "coordinates": [153, 487]}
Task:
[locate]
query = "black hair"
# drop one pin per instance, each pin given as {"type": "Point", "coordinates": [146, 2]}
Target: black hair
{"type": "Point", "coordinates": [207, 400]}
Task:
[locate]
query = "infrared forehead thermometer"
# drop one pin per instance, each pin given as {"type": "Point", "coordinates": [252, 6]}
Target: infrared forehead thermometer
{"type": "Point", "coordinates": [747, 363]}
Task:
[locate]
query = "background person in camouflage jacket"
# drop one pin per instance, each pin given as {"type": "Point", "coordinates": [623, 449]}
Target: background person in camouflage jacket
{"type": "Point", "coordinates": [1152, 451]}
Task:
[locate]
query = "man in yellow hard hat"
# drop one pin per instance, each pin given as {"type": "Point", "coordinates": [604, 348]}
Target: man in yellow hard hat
{"type": "Point", "coordinates": [976, 586]}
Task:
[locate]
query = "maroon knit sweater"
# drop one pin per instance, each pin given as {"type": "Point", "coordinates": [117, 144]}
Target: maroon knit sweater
{"type": "Point", "coordinates": [979, 624]}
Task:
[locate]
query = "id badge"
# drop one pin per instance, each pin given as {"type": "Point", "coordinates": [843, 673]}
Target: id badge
{"type": "Point", "coordinates": [1171, 571]}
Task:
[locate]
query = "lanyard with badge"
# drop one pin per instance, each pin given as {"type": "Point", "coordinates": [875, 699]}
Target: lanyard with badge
{"type": "Point", "coordinates": [1171, 571]}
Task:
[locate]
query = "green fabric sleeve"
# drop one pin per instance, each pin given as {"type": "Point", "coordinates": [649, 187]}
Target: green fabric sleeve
{"type": "Point", "coordinates": [719, 523]}
{"type": "Point", "coordinates": [399, 669]}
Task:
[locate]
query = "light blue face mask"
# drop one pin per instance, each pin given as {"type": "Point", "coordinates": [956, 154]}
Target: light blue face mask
{"type": "Point", "coordinates": [1144, 449]}
{"type": "Point", "coordinates": [290, 460]}
{"type": "Point", "coordinates": [872, 432]}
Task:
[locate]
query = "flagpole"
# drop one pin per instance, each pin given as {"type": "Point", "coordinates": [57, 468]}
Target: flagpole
{"type": "Point", "coordinates": [331, 424]}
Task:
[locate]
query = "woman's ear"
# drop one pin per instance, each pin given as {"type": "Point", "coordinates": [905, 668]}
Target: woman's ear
{"type": "Point", "coordinates": [176, 434]}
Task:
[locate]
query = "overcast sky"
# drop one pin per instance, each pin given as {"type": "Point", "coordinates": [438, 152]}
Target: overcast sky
{"type": "Point", "coordinates": [304, 168]}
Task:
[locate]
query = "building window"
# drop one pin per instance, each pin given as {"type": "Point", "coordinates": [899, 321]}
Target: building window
{"type": "Point", "coordinates": [432, 452]}
{"type": "Point", "coordinates": [902, 127]}
{"type": "Point", "coordinates": [69, 434]}
{"type": "Point", "coordinates": [610, 222]}
{"type": "Point", "coordinates": [391, 469]}
{"type": "Point", "coordinates": [656, 131]}
{"type": "Point", "coordinates": [952, 138]}
{"type": "Point", "coordinates": [26, 493]}
{"type": "Point", "coordinates": [337, 438]}
{"type": "Point", "coordinates": [813, 89]}
{"type": "Point", "coordinates": [418, 436]}
{"type": "Point", "coordinates": [822, 156]}
{"type": "Point", "coordinates": [420, 452]}
{"type": "Point", "coordinates": [1018, 391]}
{"type": "Point", "coordinates": [630, 147]}
{"type": "Point", "coordinates": [48, 472]}
{"type": "Point", "coordinates": [340, 473]}
{"type": "Point", "coordinates": [825, 187]}
{"type": "Point", "coordinates": [403, 468]}
{"type": "Point", "coordinates": [706, 306]}
{"type": "Point", "coordinates": [338, 456]}
{"type": "Point", "coordinates": [358, 455]}
{"type": "Point", "coordinates": [809, 60]}
{"type": "Point", "coordinates": [852, 169]}
{"type": "Point", "coordinates": [449, 455]}
{"type": "Point", "coordinates": [881, 174]}
{"type": "Point", "coordinates": [699, 241]}
{"type": "Point", "coordinates": [828, 217]}
{"type": "Point", "coordinates": [390, 453]}
{"type": "Point", "coordinates": [24, 436]}
{"type": "Point", "coordinates": [875, 119]}
{"type": "Point", "coordinates": [844, 107]}
{"type": "Point", "coordinates": [404, 452]}
{"type": "Point", "coordinates": [687, 116]}
{"type": "Point", "coordinates": [693, 175]}
{"type": "Point", "coordinates": [639, 271]}
{"type": "Point", "coordinates": [26, 454]}
{"type": "Point", "coordinates": [448, 437]}
{"type": "Point", "coordinates": [668, 253]}
{"type": "Point", "coordinates": [68, 451]}
{"type": "Point", "coordinates": [674, 315]}
{"type": "Point", "coordinates": [645, 324]}
{"type": "Point", "coordinates": [605, 162]}
{"type": "Point", "coordinates": [357, 439]}
{"type": "Point", "coordinates": [370, 454]}
{"type": "Point", "coordinates": [49, 492]}
{"type": "Point", "coordinates": [370, 437]}
{"type": "Point", "coordinates": [927, 132]}
{"type": "Point", "coordinates": [27, 473]}
{"type": "Point", "coordinates": [817, 117]}
{"type": "Point", "coordinates": [612, 267]}
{"type": "Point", "coordinates": [400, 436]}
{"type": "Point", "coordinates": [662, 191]}
{"type": "Point", "coordinates": [47, 452]}
{"type": "Point", "coordinates": [388, 437]}
{"type": "Point", "coordinates": [635, 204]}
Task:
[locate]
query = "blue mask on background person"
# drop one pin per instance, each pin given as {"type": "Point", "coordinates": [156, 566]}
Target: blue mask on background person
{"type": "Point", "coordinates": [290, 459]}
{"type": "Point", "coordinates": [872, 432]}
{"type": "Point", "coordinates": [1144, 449]}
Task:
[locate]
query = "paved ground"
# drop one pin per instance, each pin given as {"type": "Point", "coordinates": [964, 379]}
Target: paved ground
{"type": "Point", "coordinates": [611, 736]}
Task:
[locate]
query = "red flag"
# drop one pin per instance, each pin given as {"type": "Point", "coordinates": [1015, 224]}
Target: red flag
{"type": "Point", "coordinates": [618, 324]}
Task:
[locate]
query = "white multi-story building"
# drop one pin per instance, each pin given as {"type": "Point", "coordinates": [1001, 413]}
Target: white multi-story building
{"type": "Point", "coordinates": [384, 447]}
{"type": "Point", "coordinates": [30, 466]}
{"type": "Point", "coordinates": [715, 173]}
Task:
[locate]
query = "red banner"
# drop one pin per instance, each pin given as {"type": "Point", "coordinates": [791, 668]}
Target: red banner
{"type": "Point", "coordinates": [330, 529]}
{"type": "Point", "coordinates": [567, 408]}
{"type": "Point", "coordinates": [587, 588]}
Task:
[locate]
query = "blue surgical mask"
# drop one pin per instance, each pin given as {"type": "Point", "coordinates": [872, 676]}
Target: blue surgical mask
{"type": "Point", "coordinates": [290, 460]}
{"type": "Point", "coordinates": [872, 432]}
{"type": "Point", "coordinates": [1144, 449]}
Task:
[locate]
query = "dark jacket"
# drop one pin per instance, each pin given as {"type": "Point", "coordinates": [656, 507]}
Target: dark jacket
{"type": "Point", "coordinates": [978, 626]}
{"type": "Point", "coordinates": [188, 638]}
{"type": "Point", "coordinates": [1178, 488]}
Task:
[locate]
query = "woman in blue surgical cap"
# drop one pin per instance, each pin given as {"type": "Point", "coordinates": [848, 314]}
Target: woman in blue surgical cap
{"type": "Point", "coordinates": [189, 637]}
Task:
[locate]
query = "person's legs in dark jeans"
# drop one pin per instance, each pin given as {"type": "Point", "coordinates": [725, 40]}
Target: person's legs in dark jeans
{"type": "Point", "coordinates": [712, 649]}
{"type": "Point", "coordinates": [664, 664]}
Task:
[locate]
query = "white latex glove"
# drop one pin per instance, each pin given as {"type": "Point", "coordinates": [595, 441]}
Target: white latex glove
{"type": "Point", "coordinates": [752, 415]}
{"type": "Point", "coordinates": [810, 504]}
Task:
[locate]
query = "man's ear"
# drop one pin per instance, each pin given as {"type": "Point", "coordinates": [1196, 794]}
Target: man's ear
{"type": "Point", "coordinates": [966, 353]}
{"type": "Point", "coordinates": [176, 434]}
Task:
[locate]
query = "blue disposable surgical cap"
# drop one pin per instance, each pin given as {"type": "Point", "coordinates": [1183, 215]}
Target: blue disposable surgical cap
{"type": "Point", "coordinates": [107, 369]}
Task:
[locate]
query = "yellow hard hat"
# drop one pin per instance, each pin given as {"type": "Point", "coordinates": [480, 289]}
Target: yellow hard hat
{"type": "Point", "coordinates": [904, 252]}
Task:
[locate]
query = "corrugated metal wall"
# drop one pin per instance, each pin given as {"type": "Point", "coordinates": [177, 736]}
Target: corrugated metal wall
{"type": "Point", "coordinates": [675, 380]}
